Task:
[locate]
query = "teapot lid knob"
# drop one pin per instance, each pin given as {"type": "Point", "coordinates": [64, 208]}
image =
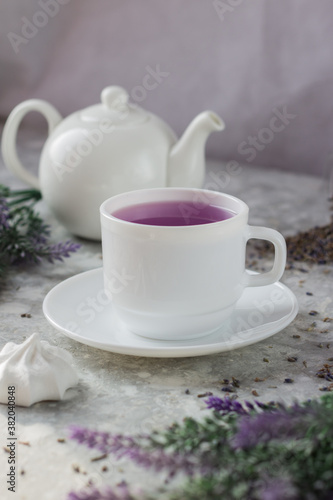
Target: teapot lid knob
{"type": "Point", "coordinates": [112, 96]}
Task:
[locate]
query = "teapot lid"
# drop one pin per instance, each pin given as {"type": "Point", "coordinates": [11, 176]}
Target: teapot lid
{"type": "Point", "coordinates": [115, 108]}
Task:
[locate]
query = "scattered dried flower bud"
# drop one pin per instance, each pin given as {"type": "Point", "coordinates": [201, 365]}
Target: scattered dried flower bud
{"type": "Point", "coordinates": [203, 395]}
{"type": "Point", "coordinates": [235, 382]}
{"type": "Point", "coordinates": [288, 380]}
{"type": "Point", "coordinates": [228, 388]}
{"type": "Point", "coordinates": [100, 457]}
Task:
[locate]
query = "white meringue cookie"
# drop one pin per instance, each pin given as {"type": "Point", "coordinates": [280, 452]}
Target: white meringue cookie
{"type": "Point", "coordinates": [37, 370]}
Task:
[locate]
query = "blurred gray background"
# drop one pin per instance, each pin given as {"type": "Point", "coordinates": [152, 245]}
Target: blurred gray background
{"type": "Point", "coordinates": [248, 60]}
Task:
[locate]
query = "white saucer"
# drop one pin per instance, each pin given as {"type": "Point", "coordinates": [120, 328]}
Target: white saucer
{"type": "Point", "coordinates": [79, 308]}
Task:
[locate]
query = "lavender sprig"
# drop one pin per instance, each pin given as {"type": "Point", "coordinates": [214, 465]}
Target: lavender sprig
{"type": "Point", "coordinates": [139, 450]}
{"type": "Point", "coordinates": [23, 234]}
{"type": "Point", "coordinates": [274, 422]}
{"type": "Point", "coordinates": [121, 492]}
{"type": "Point", "coordinates": [253, 451]}
{"type": "Point", "coordinates": [280, 488]}
{"type": "Point", "coordinates": [60, 250]}
{"type": "Point", "coordinates": [267, 426]}
{"type": "Point", "coordinates": [225, 406]}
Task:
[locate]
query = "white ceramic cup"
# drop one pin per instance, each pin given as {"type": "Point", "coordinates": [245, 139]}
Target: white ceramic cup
{"type": "Point", "coordinates": [180, 282]}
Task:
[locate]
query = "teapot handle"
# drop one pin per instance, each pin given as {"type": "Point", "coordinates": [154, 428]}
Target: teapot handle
{"type": "Point", "coordinates": [8, 143]}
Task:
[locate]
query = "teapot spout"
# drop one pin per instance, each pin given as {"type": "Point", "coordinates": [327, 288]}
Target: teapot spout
{"type": "Point", "coordinates": [187, 157]}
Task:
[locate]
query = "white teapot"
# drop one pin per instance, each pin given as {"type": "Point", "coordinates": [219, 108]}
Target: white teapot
{"type": "Point", "coordinates": [104, 150]}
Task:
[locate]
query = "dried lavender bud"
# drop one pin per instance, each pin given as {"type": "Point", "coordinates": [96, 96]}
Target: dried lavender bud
{"type": "Point", "coordinates": [235, 382]}
{"type": "Point", "coordinates": [100, 457]}
{"type": "Point", "coordinates": [325, 372]}
{"type": "Point", "coordinates": [204, 394]}
{"type": "Point", "coordinates": [228, 388]}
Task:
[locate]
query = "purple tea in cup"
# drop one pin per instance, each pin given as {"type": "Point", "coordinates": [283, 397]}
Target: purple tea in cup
{"type": "Point", "coordinates": [173, 213]}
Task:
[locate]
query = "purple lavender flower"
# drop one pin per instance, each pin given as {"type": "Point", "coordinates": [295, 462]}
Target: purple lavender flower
{"type": "Point", "coordinates": [278, 489]}
{"type": "Point", "coordinates": [261, 405]}
{"type": "Point", "coordinates": [125, 446]}
{"type": "Point", "coordinates": [121, 492]}
{"type": "Point", "coordinates": [249, 405]}
{"type": "Point", "coordinates": [278, 424]}
{"type": "Point", "coordinates": [225, 405]}
{"type": "Point", "coordinates": [61, 250]}
{"type": "Point", "coordinates": [24, 235]}
{"type": "Point", "coordinates": [41, 236]}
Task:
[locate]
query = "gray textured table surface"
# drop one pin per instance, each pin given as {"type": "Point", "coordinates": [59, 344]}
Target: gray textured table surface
{"type": "Point", "coordinates": [134, 394]}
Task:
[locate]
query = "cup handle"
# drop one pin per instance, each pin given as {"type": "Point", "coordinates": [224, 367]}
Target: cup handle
{"type": "Point", "coordinates": [264, 233]}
